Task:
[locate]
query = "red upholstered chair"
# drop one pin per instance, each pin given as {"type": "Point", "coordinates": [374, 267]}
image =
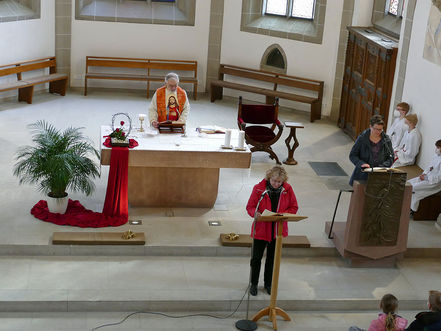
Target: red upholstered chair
{"type": "Point", "coordinates": [260, 136]}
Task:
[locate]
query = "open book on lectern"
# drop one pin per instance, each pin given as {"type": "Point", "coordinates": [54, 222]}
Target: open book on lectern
{"type": "Point", "coordinates": [269, 216]}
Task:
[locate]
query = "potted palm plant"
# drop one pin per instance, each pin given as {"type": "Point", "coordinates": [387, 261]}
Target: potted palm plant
{"type": "Point", "coordinates": [57, 163]}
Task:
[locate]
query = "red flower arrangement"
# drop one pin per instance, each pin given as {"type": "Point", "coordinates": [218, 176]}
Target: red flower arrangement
{"type": "Point", "coordinates": [120, 136]}
{"type": "Point", "coordinates": [119, 133]}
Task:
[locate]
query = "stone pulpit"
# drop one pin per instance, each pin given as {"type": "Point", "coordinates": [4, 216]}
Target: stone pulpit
{"type": "Point", "coordinates": [376, 229]}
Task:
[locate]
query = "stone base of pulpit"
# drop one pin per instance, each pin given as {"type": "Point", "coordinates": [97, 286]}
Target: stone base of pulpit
{"type": "Point", "coordinates": [356, 260]}
{"type": "Point", "coordinates": [375, 232]}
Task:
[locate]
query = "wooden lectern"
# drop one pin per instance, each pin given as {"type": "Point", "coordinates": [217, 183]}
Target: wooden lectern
{"type": "Point", "coordinates": [272, 311]}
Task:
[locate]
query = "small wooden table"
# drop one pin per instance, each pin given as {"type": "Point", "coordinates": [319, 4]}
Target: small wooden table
{"type": "Point", "coordinates": [292, 135]}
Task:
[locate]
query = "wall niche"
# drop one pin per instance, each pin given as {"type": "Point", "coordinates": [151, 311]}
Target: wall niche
{"type": "Point", "coordinates": [274, 60]}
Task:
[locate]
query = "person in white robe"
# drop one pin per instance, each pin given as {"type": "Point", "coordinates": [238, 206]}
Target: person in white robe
{"type": "Point", "coordinates": [429, 182]}
{"type": "Point", "coordinates": [398, 127]}
{"type": "Point", "coordinates": [409, 147]}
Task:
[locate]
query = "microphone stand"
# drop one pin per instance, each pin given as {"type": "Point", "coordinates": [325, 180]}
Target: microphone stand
{"type": "Point", "coordinates": [246, 324]}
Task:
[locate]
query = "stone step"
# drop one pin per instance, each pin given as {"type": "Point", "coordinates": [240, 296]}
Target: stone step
{"type": "Point", "coordinates": [208, 305]}
{"type": "Point", "coordinates": [147, 250]}
{"type": "Point", "coordinates": [80, 321]}
{"type": "Point", "coordinates": [115, 283]}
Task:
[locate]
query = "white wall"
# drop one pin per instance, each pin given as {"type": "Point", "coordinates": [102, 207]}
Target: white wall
{"type": "Point", "coordinates": [362, 13]}
{"type": "Point", "coordinates": [422, 85]}
{"type": "Point", "coordinates": [315, 61]}
{"type": "Point", "coordinates": [27, 40]}
{"type": "Point", "coordinates": [139, 40]}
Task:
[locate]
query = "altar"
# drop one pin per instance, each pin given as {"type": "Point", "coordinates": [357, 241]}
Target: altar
{"type": "Point", "coordinates": [171, 170]}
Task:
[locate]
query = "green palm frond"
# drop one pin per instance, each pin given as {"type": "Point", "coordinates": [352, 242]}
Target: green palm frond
{"type": "Point", "coordinates": [59, 161]}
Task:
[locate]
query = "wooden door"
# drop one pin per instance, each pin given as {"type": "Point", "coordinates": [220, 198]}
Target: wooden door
{"type": "Point", "coordinates": [345, 93]}
{"type": "Point", "coordinates": [368, 86]}
{"type": "Point", "coordinates": [368, 77]}
{"type": "Point", "coordinates": [355, 88]}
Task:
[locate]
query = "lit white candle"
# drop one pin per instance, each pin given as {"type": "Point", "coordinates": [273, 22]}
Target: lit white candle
{"type": "Point", "coordinates": [142, 117]}
{"type": "Point", "coordinates": [227, 142]}
{"type": "Point", "coordinates": [241, 139]}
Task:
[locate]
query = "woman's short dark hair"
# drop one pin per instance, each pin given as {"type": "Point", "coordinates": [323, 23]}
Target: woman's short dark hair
{"type": "Point", "coordinates": [376, 119]}
{"type": "Point", "coordinates": [438, 143]}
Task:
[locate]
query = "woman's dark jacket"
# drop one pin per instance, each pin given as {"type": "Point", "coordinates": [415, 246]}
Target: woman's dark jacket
{"type": "Point", "coordinates": [361, 153]}
{"type": "Point", "coordinates": [426, 321]}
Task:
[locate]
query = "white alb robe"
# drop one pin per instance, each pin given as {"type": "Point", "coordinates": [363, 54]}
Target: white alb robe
{"type": "Point", "coordinates": [396, 131]}
{"type": "Point", "coordinates": [431, 183]}
{"type": "Point", "coordinates": [408, 149]}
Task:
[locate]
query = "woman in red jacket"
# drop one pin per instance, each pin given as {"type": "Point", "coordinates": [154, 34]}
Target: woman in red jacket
{"type": "Point", "coordinates": [276, 195]}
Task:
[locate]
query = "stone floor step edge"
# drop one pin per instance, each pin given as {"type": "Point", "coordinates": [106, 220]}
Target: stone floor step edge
{"type": "Point", "coordinates": [330, 305]}
{"type": "Point", "coordinates": [116, 250]}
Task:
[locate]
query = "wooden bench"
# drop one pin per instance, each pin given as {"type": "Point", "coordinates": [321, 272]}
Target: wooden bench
{"type": "Point", "coordinates": [139, 69]}
{"type": "Point", "coordinates": [270, 77]}
{"type": "Point", "coordinates": [429, 207]}
{"type": "Point", "coordinates": [25, 85]}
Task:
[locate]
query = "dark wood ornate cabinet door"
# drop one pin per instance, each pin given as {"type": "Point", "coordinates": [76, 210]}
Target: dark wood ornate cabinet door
{"type": "Point", "coordinates": [368, 89]}
{"type": "Point", "coordinates": [345, 93]}
{"type": "Point", "coordinates": [367, 83]}
{"type": "Point", "coordinates": [355, 85]}
{"type": "Point", "coordinates": [388, 57]}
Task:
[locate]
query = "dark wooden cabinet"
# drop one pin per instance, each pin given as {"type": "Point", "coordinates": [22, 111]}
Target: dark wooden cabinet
{"type": "Point", "coordinates": [367, 80]}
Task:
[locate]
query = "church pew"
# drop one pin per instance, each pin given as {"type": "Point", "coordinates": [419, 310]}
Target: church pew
{"type": "Point", "coordinates": [429, 207]}
{"type": "Point", "coordinates": [139, 69]}
{"type": "Point", "coordinates": [25, 85]}
{"type": "Point", "coordinates": [253, 75]}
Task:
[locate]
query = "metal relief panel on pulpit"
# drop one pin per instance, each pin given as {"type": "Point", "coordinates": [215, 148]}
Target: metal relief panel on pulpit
{"type": "Point", "coordinates": [380, 222]}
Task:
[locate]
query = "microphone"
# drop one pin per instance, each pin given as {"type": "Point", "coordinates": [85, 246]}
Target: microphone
{"type": "Point", "coordinates": [258, 203]}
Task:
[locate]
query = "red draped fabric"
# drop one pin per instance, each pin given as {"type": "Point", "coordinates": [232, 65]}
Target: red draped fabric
{"type": "Point", "coordinates": [116, 202]}
{"type": "Point", "coordinates": [115, 210]}
{"type": "Point", "coordinates": [76, 215]}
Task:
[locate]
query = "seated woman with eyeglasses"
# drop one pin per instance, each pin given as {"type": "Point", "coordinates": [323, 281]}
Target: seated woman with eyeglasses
{"type": "Point", "coordinates": [372, 148]}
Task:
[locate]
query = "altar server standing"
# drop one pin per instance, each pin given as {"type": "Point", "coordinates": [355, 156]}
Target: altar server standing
{"type": "Point", "coordinates": [429, 182]}
{"type": "Point", "coordinates": [398, 128]}
{"type": "Point", "coordinates": [409, 147]}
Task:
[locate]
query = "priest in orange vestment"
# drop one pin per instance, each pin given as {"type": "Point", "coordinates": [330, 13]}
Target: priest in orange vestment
{"type": "Point", "coordinates": [169, 103]}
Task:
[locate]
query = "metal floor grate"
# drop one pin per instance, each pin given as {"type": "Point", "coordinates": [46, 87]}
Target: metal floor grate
{"type": "Point", "coordinates": [327, 169]}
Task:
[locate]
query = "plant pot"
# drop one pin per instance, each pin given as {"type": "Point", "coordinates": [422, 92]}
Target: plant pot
{"type": "Point", "coordinates": [57, 205]}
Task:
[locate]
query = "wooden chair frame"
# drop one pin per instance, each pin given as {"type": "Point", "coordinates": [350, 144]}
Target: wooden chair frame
{"type": "Point", "coordinates": [259, 146]}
